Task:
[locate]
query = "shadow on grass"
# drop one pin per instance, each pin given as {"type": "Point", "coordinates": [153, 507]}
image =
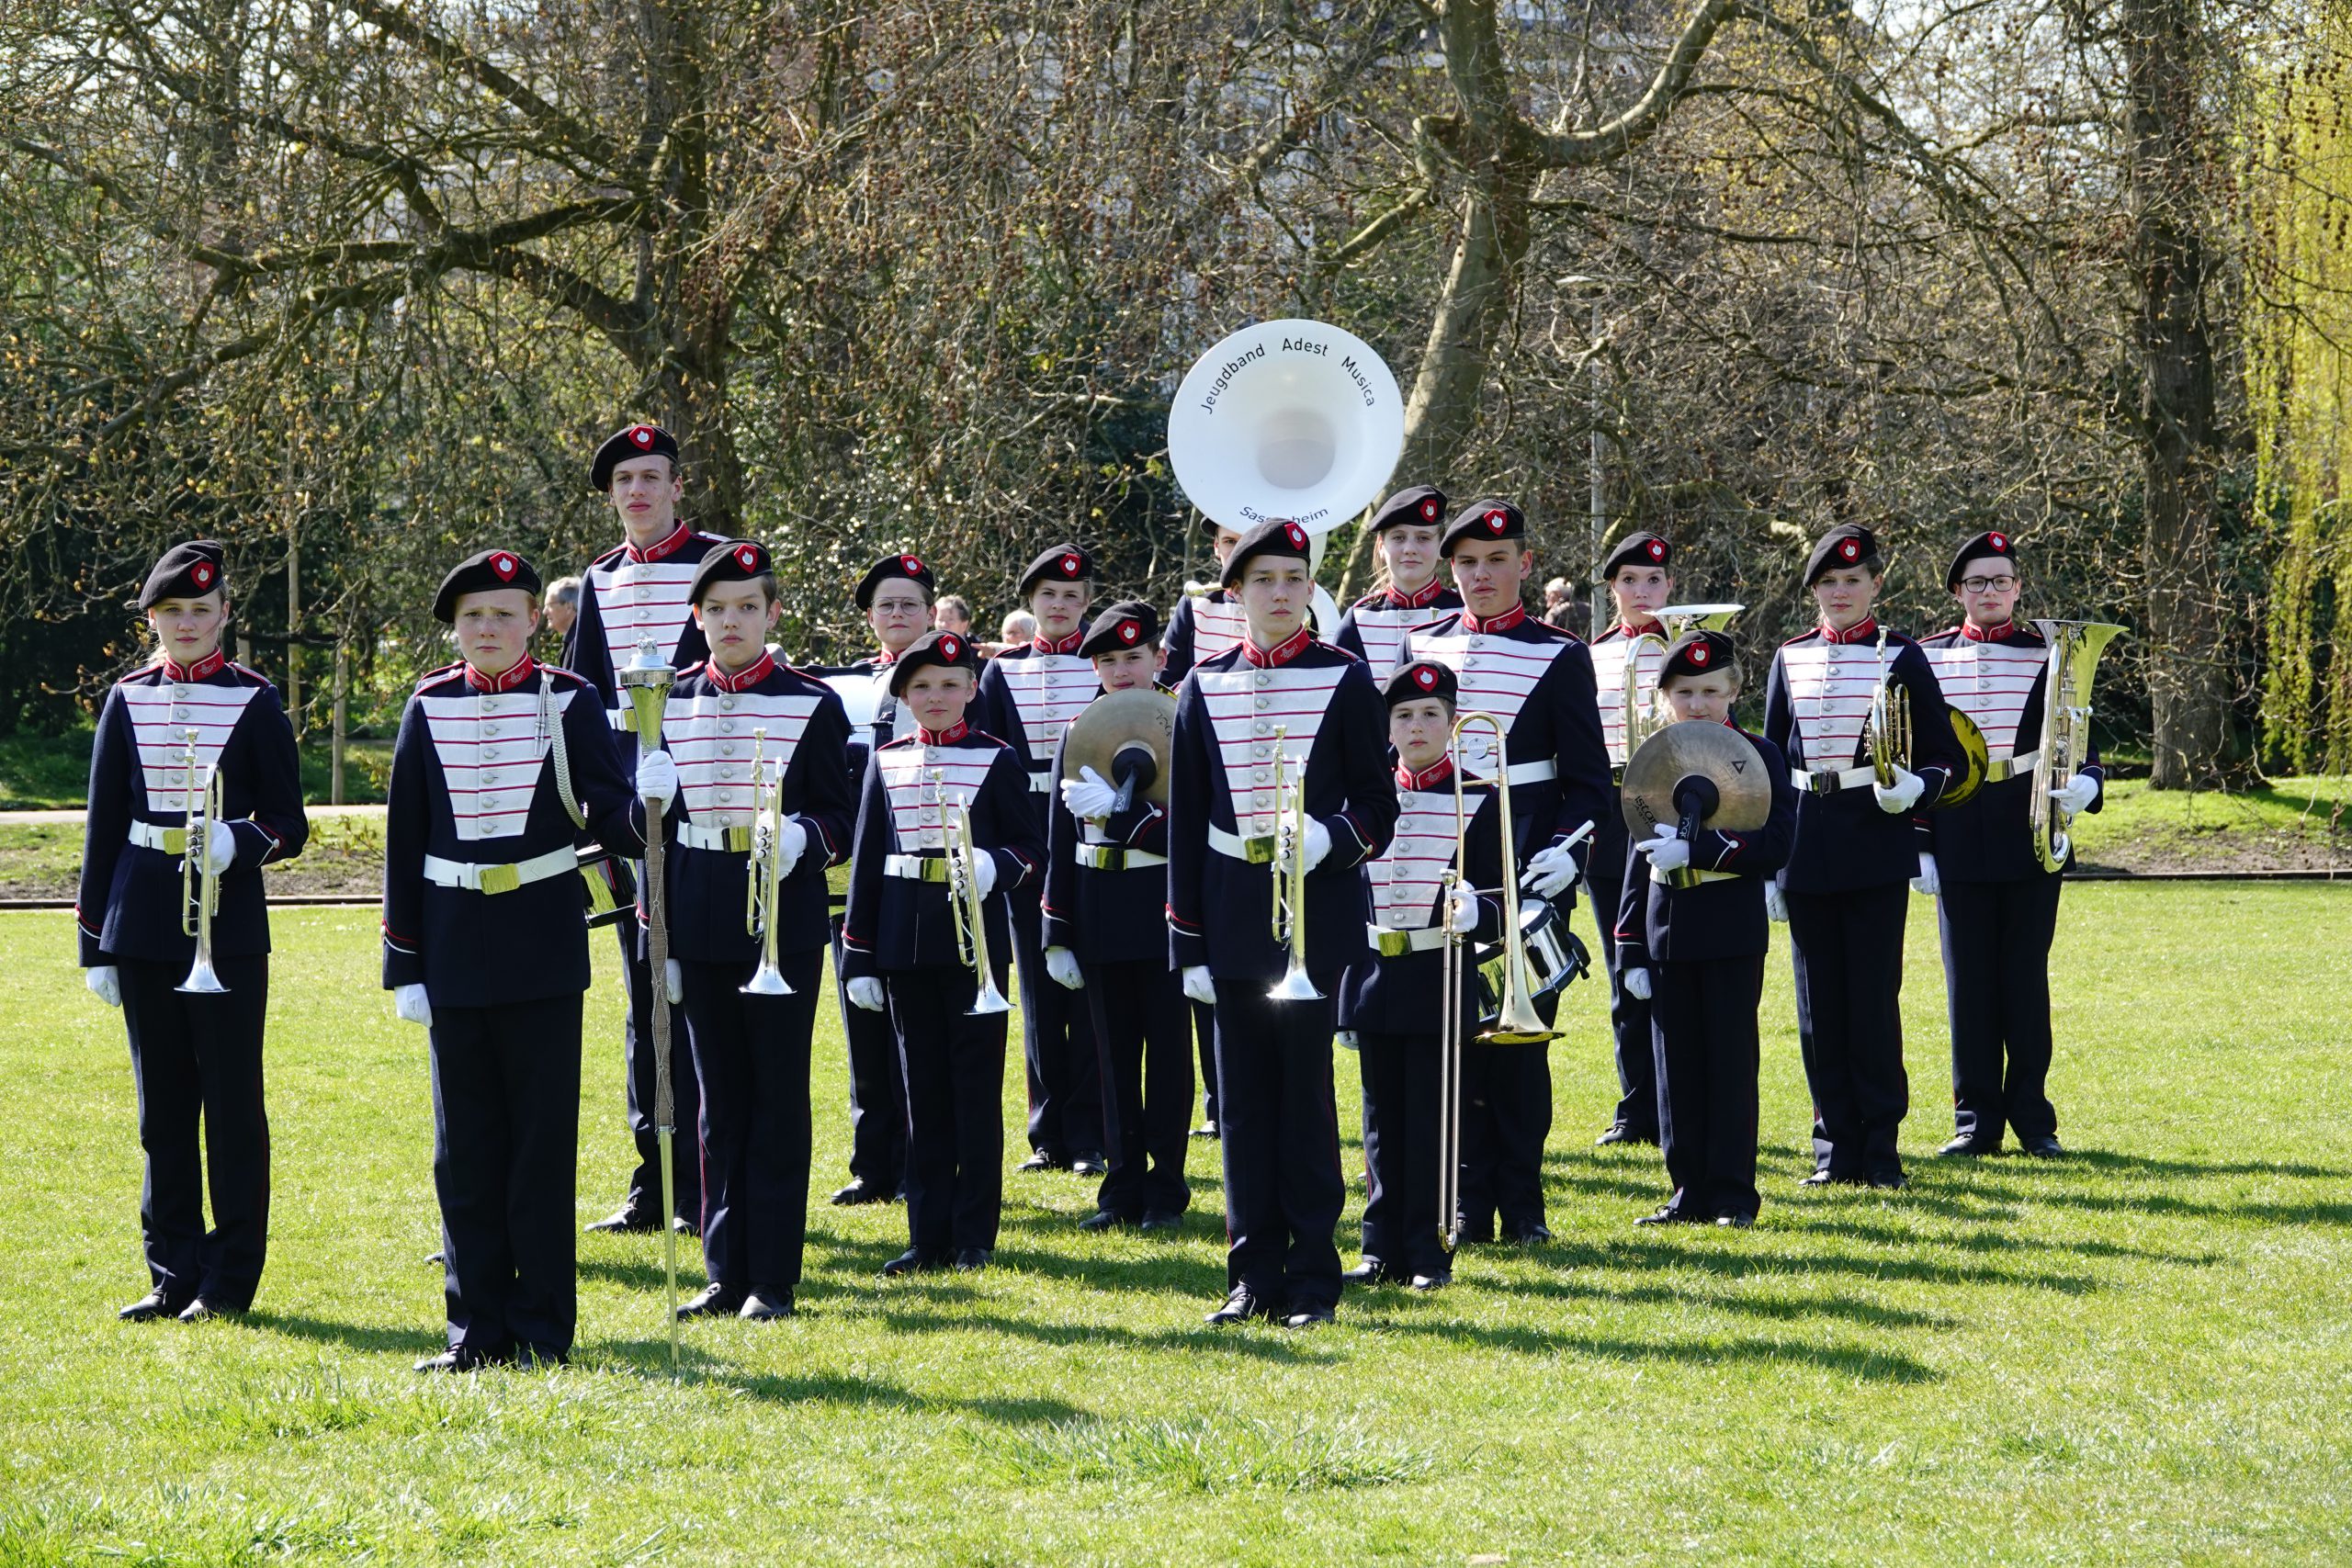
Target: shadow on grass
{"type": "Point", "coordinates": [1876, 1365]}
{"type": "Point", "coordinates": [1850, 1309]}
{"type": "Point", "coordinates": [1607, 1256]}
{"type": "Point", "coordinates": [1265, 1344]}
{"type": "Point", "coordinates": [419, 1341]}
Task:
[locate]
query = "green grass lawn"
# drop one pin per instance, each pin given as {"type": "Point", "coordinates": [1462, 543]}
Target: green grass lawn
{"type": "Point", "coordinates": [2140, 1353]}
{"type": "Point", "coordinates": [2279, 824]}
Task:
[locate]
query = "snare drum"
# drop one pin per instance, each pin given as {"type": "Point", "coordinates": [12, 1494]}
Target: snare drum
{"type": "Point", "coordinates": [1555, 957]}
{"type": "Point", "coordinates": [609, 886]}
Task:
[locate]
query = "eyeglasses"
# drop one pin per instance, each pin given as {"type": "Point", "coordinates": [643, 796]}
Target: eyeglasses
{"type": "Point", "coordinates": [2000, 584]}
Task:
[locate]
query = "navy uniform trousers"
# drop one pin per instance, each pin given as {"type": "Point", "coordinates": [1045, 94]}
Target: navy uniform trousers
{"type": "Point", "coordinates": [199, 1058]}
{"type": "Point", "coordinates": [954, 1064]}
{"type": "Point", "coordinates": [1280, 1137]}
{"type": "Point", "coordinates": [751, 1055]}
{"type": "Point", "coordinates": [1996, 939]}
{"type": "Point", "coordinates": [1065, 1079]}
{"type": "Point", "coordinates": [505, 1160]}
{"type": "Point", "coordinates": [685, 1158]}
{"type": "Point", "coordinates": [1400, 1149]}
{"type": "Point", "coordinates": [877, 1092]}
{"type": "Point", "coordinates": [1142, 1034]}
{"type": "Point", "coordinates": [1629, 1016]}
{"type": "Point", "coordinates": [1506, 1117]}
{"type": "Point", "coordinates": [1849, 952]}
{"type": "Point", "coordinates": [1705, 1055]}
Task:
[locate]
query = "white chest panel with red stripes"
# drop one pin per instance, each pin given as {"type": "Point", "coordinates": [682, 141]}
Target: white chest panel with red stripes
{"type": "Point", "coordinates": [492, 746]}
{"type": "Point", "coordinates": [163, 716]}
{"type": "Point", "coordinates": [713, 737]}
{"type": "Point", "coordinates": [1247, 707]}
{"type": "Point", "coordinates": [1404, 881]}
{"type": "Point", "coordinates": [924, 780]}
{"type": "Point", "coordinates": [1387, 633]}
{"type": "Point", "coordinates": [1049, 690]}
{"type": "Point", "coordinates": [1609, 679]}
{"type": "Point", "coordinates": [641, 598]}
{"type": "Point", "coordinates": [1990, 681]}
{"type": "Point", "coordinates": [1217, 624]}
{"type": "Point", "coordinates": [1495, 675]}
{"type": "Point", "coordinates": [1830, 688]}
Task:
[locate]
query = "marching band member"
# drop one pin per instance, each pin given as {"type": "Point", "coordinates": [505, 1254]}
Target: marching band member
{"type": "Point", "coordinates": [501, 764]}
{"type": "Point", "coordinates": [1538, 680]}
{"type": "Point", "coordinates": [1393, 999]}
{"type": "Point", "coordinates": [636, 590]}
{"type": "Point", "coordinates": [1854, 854]}
{"type": "Point", "coordinates": [1406, 530]}
{"type": "Point", "coordinates": [1639, 576]}
{"type": "Point", "coordinates": [195, 1056]}
{"type": "Point", "coordinates": [1227, 842]}
{"type": "Point", "coordinates": [1028, 693]}
{"type": "Point", "coordinates": [751, 1051]}
{"type": "Point", "coordinates": [1106, 935]}
{"type": "Point", "coordinates": [895, 596]}
{"type": "Point", "coordinates": [900, 939]}
{"type": "Point", "coordinates": [1695, 956]}
{"type": "Point", "coordinates": [1995, 906]}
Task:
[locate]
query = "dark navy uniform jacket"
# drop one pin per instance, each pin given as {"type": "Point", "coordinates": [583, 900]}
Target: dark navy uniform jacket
{"type": "Point", "coordinates": [1201, 626]}
{"type": "Point", "coordinates": [1107, 916]}
{"type": "Point", "coordinates": [129, 902]}
{"type": "Point", "coordinates": [1711, 919]}
{"type": "Point", "coordinates": [1027, 697]}
{"type": "Point", "coordinates": [1996, 678]}
{"type": "Point", "coordinates": [1405, 993]}
{"type": "Point", "coordinates": [707, 730]}
{"type": "Point", "coordinates": [1220, 908]}
{"type": "Point", "coordinates": [896, 923]}
{"type": "Point", "coordinates": [473, 782]}
{"type": "Point", "coordinates": [1815, 702]}
{"type": "Point", "coordinates": [626, 594]}
{"type": "Point", "coordinates": [1378, 628]}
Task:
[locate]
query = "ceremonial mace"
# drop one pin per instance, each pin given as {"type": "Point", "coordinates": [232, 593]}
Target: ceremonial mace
{"type": "Point", "coordinates": [647, 679]}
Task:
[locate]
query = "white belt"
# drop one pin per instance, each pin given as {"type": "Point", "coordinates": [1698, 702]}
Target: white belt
{"type": "Point", "coordinates": [1519, 772]}
{"type": "Point", "coordinates": [1392, 941]}
{"type": "Point", "coordinates": [2002, 768]}
{"type": "Point", "coordinates": [737, 840]}
{"type": "Point", "coordinates": [916, 868]}
{"type": "Point", "coordinates": [1257, 849]}
{"type": "Point", "coordinates": [1112, 857]}
{"type": "Point", "coordinates": [623, 716]}
{"type": "Point", "coordinates": [475, 878]}
{"type": "Point", "coordinates": [171, 841]}
{"type": "Point", "coordinates": [1830, 781]}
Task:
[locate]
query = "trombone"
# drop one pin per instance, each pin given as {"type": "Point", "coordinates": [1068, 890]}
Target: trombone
{"type": "Point", "coordinates": [764, 879]}
{"type": "Point", "coordinates": [970, 909]}
{"type": "Point", "coordinates": [200, 884]}
{"type": "Point", "coordinates": [1887, 727]}
{"type": "Point", "coordinates": [1290, 877]}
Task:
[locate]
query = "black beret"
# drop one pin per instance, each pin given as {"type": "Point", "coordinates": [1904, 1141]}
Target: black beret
{"type": "Point", "coordinates": [484, 573]}
{"type": "Point", "coordinates": [952, 651]}
{"type": "Point", "coordinates": [1983, 545]}
{"type": "Point", "coordinates": [1481, 521]}
{"type": "Point", "coordinates": [1062, 563]}
{"type": "Point", "coordinates": [1848, 544]}
{"type": "Point", "coordinates": [185, 571]}
{"type": "Point", "coordinates": [636, 441]}
{"type": "Point", "coordinates": [1129, 624]}
{"type": "Point", "coordinates": [1275, 537]}
{"type": "Point", "coordinates": [1637, 549]}
{"type": "Point", "coordinates": [736, 560]}
{"type": "Point", "coordinates": [1421, 504]}
{"type": "Point", "coordinates": [888, 569]}
{"type": "Point", "coordinates": [1698, 652]}
{"type": "Point", "coordinates": [1422, 678]}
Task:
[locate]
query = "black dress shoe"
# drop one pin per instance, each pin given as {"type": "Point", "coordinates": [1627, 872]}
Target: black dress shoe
{"type": "Point", "coordinates": [1889, 1180]}
{"type": "Point", "coordinates": [1310, 1317]}
{"type": "Point", "coordinates": [913, 1261]}
{"type": "Point", "coordinates": [1205, 1130]}
{"type": "Point", "coordinates": [971, 1259]}
{"type": "Point", "coordinates": [1240, 1308]}
{"type": "Point", "coordinates": [765, 1303]}
{"type": "Point", "coordinates": [861, 1190]}
{"type": "Point", "coordinates": [1735, 1219]}
{"type": "Point", "coordinates": [1370, 1271]}
{"type": "Point", "coordinates": [1474, 1235]}
{"type": "Point", "coordinates": [150, 1307]}
{"type": "Point", "coordinates": [715, 1301]}
{"type": "Point", "coordinates": [1102, 1220]}
{"type": "Point", "coordinates": [2044, 1147]}
{"type": "Point", "coordinates": [1428, 1282]}
{"type": "Point", "coordinates": [1621, 1133]}
{"type": "Point", "coordinates": [1669, 1216]}
{"type": "Point", "coordinates": [200, 1311]}
{"type": "Point", "coordinates": [460, 1359]}
{"type": "Point", "coordinates": [1968, 1144]}
{"type": "Point", "coordinates": [1162, 1220]}
{"type": "Point", "coordinates": [535, 1358]}
{"type": "Point", "coordinates": [633, 1215]}
{"type": "Point", "coordinates": [1087, 1162]}
{"type": "Point", "coordinates": [1045, 1159]}
{"type": "Point", "coordinates": [1534, 1234]}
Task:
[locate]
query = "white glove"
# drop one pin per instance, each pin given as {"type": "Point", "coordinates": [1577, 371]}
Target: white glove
{"type": "Point", "coordinates": [866, 991]}
{"type": "Point", "coordinates": [788, 845]}
{"type": "Point", "coordinates": [2076, 793]}
{"type": "Point", "coordinates": [1463, 918]}
{"type": "Point", "coordinates": [984, 871]}
{"type": "Point", "coordinates": [221, 846]}
{"type": "Point", "coordinates": [674, 980]}
{"type": "Point", "coordinates": [1552, 871]}
{"type": "Point", "coordinates": [1900, 796]}
{"type": "Point", "coordinates": [1062, 964]}
{"type": "Point", "coordinates": [1668, 852]}
{"type": "Point", "coordinates": [657, 779]}
{"type": "Point", "coordinates": [1088, 796]}
{"type": "Point", "coordinates": [1318, 844]}
{"type": "Point", "coordinates": [105, 984]}
{"type": "Point", "coordinates": [409, 1003]}
{"type": "Point", "coordinates": [1776, 904]}
{"type": "Point", "coordinates": [1346, 1040]}
{"type": "Point", "coordinates": [1636, 982]}
{"type": "Point", "coordinates": [1927, 882]}
{"type": "Point", "coordinates": [1199, 986]}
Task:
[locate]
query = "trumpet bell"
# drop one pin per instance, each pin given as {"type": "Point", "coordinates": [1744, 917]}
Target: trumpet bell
{"type": "Point", "coordinates": [202, 981]}
{"type": "Point", "coordinates": [988, 1002]}
{"type": "Point", "coordinates": [1295, 986]}
{"type": "Point", "coordinates": [767, 980]}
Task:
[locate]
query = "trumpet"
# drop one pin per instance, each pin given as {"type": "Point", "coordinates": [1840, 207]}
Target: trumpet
{"type": "Point", "coordinates": [968, 907]}
{"type": "Point", "coordinates": [1290, 877]}
{"type": "Point", "coordinates": [2075, 647]}
{"type": "Point", "coordinates": [200, 884]}
{"type": "Point", "coordinates": [764, 879]}
{"type": "Point", "coordinates": [1887, 727]}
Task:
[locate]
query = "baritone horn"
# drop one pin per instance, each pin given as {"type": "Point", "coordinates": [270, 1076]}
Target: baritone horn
{"type": "Point", "coordinates": [1887, 727]}
{"type": "Point", "coordinates": [1290, 876]}
{"type": "Point", "coordinates": [2075, 647]}
{"type": "Point", "coordinates": [200, 884]}
{"type": "Point", "coordinates": [969, 907]}
{"type": "Point", "coordinates": [764, 877]}
{"type": "Point", "coordinates": [1641, 719]}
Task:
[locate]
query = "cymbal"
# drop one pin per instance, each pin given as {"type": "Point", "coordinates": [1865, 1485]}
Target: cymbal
{"type": "Point", "coordinates": [1713, 751]}
{"type": "Point", "coordinates": [1975, 753]}
{"type": "Point", "coordinates": [1144, 714]}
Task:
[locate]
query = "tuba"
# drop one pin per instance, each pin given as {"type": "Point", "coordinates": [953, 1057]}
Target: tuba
{"type": "Point", "coordinates": [763, 881]}
{"type": "Point", "coordinates": [971, 910]}
{"type": "Point", "coordinates": [200, 884]}
{"type": "Point", "coordinates": [1681, 618]}
{"type": "Point", "coordinates": [1887, 727]}
{"type": "Point", "coordinates": [2075, 647]}
{"type": "Point", "coordinates": [1290, 876]}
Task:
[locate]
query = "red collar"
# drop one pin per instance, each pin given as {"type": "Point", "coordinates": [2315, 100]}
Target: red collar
{"type": "Point", "coordinates": [761, 668]}
{"type": "Point", "coordinates": [1971, 632]}
{"type": "Point", "coordinates": [1281, 653]}
{"type": "Point", "coordinates": [662, 550]}
{"type": "Point", "coordinates": [1420, 598]}
{"type": "Point", "coordinates": [524, 667]}
{"type": "Point", "coordinates": [947, 736]}
{"type": "Point", "coordinates": [1428, 778]}
{"type": "Point", "coordinates": [1651, 628]}
{"type": "Point", "coordinates": [884, 657]}
{"type": "Point", "coordinates": [1502, 622]}
{"type": "Point", "coordinates": [212, 663]}
{"type": "Point", "coordinates": [1063, 645]}
{"type": "Point", "coordinates": [1863, 630]}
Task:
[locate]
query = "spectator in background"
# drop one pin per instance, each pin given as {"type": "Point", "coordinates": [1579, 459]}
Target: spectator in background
{"type": "Point", "coordinates": [953, 613]}
{"type": "Point", "coordinates": [1556, 593]}
{"type": "Point", "coordinates": [1019, 626]}
{"type": "Point", "coordinates": [563, 604]}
